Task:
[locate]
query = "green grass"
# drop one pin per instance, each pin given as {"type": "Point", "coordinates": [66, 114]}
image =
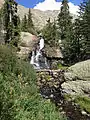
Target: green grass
{"type": "Point", "coordinates": [84, 103]}
{"type": "Point", "coordinates": [19, 96]}
{"type": "Point", "coordinates": [60, 66]}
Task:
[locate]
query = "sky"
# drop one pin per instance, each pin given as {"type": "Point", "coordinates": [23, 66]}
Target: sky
{"type": "Point", "coordinates": [49, 4]}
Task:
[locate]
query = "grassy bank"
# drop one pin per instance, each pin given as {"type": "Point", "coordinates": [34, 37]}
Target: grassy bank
{"type": "Point", "coordinates": [82, 101]}
{"type": "Point", "coordinates": [19, 96]}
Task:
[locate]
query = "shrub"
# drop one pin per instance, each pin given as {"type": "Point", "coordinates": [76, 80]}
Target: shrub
{"type": "Point", "coordinates": [8, 59]}
{"type": "Point", "coordinates": [19, 97]}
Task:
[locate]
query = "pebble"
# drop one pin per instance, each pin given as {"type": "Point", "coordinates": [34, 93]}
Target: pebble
{"type": "Point", "coordinates": [83, 112]}
{"type": "Point", "coordinates": [51, 96]}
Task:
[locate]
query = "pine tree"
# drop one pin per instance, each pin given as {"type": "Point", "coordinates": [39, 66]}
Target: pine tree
{"type": "Point", "coordinates": [65, 30]}
{"type": "Point", "coordinates": [11, 22]}
{"type": "Point", "coordinates": [24, 24]}
{"type": "Point", "coordinates": [1, 26]}
{"type": "Point", "coordinates": [64, 19]}
{"type": "Point", "coordinates": [49, 32]}
{"type": "Point", "coordinates": [77, 40]}
{"type": "Point", "coordinates": [30, 23]}
{"type": "Point", "coordinates": [85, 28]}
{"type": "Point", "coordinates": [54, 34]}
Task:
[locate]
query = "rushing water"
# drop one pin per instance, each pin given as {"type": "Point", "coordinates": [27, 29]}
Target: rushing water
{"type": "Point", "coordinates": [68, 108]}
{"type": "Point", "coordinates": [38, 60]}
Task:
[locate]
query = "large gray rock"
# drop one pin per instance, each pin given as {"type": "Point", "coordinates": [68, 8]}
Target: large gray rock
{"type": "Point", "coordinates": [76, 87]}
{"type": "Point", "coordinates": [26, 44]}
{"type": "Point", "coordinates": [1, 3]}
{"type": "Point", "coordinates": [53, 52]}
{"type": "Point", "coordinates": [79, 71]}
{"type": "Point", "coordinates": [77, 79]}
{"type": "Point", "coordinates": [28, 40]}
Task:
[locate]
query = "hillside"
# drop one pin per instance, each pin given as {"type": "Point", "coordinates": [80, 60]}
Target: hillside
{"type": "Point", "coordinates": [39, 17]}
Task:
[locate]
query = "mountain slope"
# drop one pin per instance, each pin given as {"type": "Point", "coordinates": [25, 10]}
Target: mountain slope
{"type": "Point", "coordinates": [39, 17]}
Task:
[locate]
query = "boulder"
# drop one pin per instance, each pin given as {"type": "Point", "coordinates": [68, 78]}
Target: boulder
{"type": "Point", "coordinates": [77, 79]}
{"type": "Point", "coordinates": [1, 3]}
{"type": "Point", "coordinates": [76, 87]}
{"type": "Point", "coordinates": [79, 71]}
{"type": "Point", "coordinates": [28, 40]}
{"type": "Point", "coordinates": [53, 52]}
{"type": "Point", "coordinates": [26, 45]}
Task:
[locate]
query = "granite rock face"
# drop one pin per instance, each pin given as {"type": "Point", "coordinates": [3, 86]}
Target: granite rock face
{"type": "Point", "coordinates": [76, 87]}
{"type": "Point", "coordinates": [1, 3]}
{"type": "Point", "coordinates": [26, 44]}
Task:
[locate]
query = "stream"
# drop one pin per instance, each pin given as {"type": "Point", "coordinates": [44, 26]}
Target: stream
{"type": "Point", "coordinates": [49, 90]}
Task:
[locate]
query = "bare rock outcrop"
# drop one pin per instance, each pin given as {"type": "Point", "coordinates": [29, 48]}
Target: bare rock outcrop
{"type": "Point", "coordinates": [77, 79]}
{"type": "Point", "coordinates": [26, 44]}
{"type": "Point", "coordinates": [39, 17]}
{"type": "Point", "coordinates": [1, 3]}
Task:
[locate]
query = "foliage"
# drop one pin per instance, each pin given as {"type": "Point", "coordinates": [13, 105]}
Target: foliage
{"type": "Point", "coordinates": [11, 22]}
{"type": "Point", "coordinates": [7, 59]}
{"type": "Point", "coordinates": [27, 23]}
{"type": "Point", "coordinates": [65, 33]}
{"type": "Point", "coordinates": [31, 28]}
{"type": "Point", "coordinates": [19, 97]}
{"type": "Point", "coordinates": [85, 28]}
{"type": "Point", "coordinates": [84, 103]}
{"type": "Point", "coordinates": [62, 67]}
{"type": "Point", "coordinates": [24, 25]}
{"type": "Point", "coordinates": [50, 33]}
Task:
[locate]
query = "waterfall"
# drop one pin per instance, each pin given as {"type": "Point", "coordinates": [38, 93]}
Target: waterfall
{"type": "Point", "coordinates": [32, 58]}
{"type": "Point", "coordinates": [46, 64]}
{"type": "Point", "coordinates": [41, 43]}
{"type": "Point", "coordinates": [37, 56]}
{"type": "Point", "coordinates": [38, 60]}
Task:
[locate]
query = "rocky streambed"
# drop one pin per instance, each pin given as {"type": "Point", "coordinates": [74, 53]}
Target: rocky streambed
{"type": "Point", "coordinates": [51, 84]}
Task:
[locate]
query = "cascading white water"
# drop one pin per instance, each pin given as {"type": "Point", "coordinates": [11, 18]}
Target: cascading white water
{"type": "Point", "coordinates": [35, 59]}
{"type": "Point", "coordinates": [46, 64]}
{"type": "Point", "coordinates": [32, 58]}
{"type": "Point", "coordinates": [41, 43]}
{"type": "Point", "coordinates": [37, 56]}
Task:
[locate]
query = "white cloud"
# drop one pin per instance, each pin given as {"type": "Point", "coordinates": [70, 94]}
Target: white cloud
{"type": "Point", "coordinates": [53, 5]}
{"type": "Point", "coordinates": [73, 8]}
